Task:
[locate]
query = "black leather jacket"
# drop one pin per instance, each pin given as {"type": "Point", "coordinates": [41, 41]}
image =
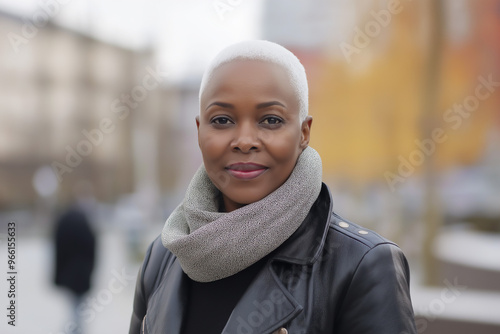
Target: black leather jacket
{"type": "Point", "coordinates": [330, 276]}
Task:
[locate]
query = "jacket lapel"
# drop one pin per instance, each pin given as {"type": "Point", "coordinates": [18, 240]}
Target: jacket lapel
{"type": "Point", "coordinates": [169, 301]}
{"type": "Point", "coordinates": [265, 306]}
{"type": "Point", "coordinates": [270, 302]}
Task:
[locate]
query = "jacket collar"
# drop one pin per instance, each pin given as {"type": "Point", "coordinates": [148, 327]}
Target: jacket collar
{"type": "Point", "coordinates": [305, 245]}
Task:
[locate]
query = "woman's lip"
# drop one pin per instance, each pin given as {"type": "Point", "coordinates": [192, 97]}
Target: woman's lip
{"type": "Point", "coordinates": [246, 174]}
{"type": "Point", "coordinates": [245, 166]}
{"type": "Point", "coordinates": [246, 170]}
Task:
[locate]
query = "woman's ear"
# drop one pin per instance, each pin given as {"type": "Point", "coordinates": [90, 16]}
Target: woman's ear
{"type": "Point", "coordinates": [197, 118]}
{"type": "Point", "coordinates": [305, 132]}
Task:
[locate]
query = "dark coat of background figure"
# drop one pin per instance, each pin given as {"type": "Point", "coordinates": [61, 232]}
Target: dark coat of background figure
{"type": "Point", "coordinates": [74, 251]}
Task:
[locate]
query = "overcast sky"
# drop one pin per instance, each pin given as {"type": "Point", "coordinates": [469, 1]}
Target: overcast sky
{"type": "Point", "coordinates": [185, 33]}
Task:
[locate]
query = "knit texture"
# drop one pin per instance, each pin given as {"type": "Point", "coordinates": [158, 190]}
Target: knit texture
{"type": "Point", "coordinates": [211, 245]}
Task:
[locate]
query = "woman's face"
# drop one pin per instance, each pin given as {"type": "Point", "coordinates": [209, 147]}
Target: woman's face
{"type": "Point", "coordinates": [249, 130]}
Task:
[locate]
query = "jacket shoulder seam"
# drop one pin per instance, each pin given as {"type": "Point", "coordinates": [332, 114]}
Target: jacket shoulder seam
{"type": "Point", "coordinates": [357, 233]}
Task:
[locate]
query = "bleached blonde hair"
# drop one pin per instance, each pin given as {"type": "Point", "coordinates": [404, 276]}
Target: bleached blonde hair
{"type": "Point", "coordinates": [268, 52]}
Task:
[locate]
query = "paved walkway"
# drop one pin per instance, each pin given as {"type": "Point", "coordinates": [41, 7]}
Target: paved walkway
{"type": "Point", "coordinates": [45, 309]}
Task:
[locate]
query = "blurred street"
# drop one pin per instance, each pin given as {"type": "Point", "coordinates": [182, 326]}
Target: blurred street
{"type": "Point", "coordinates": [98, 101]}
{"type": "Point", "coordinates": [44, 309]}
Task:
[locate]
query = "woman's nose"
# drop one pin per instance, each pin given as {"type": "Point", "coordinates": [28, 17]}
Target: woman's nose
{"type": "Point", "coordinates": [246, 139]}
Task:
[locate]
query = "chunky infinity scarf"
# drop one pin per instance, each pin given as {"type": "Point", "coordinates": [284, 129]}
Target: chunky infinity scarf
{"type": "Point", "coordinates": [212, 245]}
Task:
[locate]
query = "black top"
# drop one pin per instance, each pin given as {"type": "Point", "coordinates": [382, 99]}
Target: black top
{"type": "Point", "coordinates": [210, 304]}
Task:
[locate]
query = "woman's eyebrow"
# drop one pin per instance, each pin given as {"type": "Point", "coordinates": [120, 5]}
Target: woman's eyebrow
{"type": "Point", "coordinates": [259, 106]}
{"type": "Point", "coordinates": [221, 104]}
{"type": "Point", "coordinates": [268, 104]}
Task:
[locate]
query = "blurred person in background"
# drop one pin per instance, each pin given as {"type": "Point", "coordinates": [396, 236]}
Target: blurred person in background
{"type": "Point", "coordinates": [255, 246]}
{"type": "Point", "coordinates": [75, 248]}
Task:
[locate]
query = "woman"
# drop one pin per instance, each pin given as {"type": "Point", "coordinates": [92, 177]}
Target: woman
{"type": "Point", "coordinates": [255, 247]}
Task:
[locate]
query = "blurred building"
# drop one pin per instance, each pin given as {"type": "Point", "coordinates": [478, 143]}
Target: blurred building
{"type": "Point", "coordinates": [88, 109]}
{"type": "Point", "coordinates": [367, 64]}
{"type": "Point", "coordinates": [405, 97]}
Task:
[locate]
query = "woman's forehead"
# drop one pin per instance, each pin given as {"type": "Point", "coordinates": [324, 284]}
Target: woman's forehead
{"type": "Point", "coordinates": [249, 77]}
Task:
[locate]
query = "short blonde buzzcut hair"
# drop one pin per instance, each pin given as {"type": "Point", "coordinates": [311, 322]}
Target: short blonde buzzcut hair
{"type": "Point", "coordinates": [268, 52]}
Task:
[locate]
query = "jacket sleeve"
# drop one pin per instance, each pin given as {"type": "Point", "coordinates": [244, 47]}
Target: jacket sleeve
{"type": "Point", "coordinates": [140, 302]}
{"type": "Point", "coordinates": [378, 297]}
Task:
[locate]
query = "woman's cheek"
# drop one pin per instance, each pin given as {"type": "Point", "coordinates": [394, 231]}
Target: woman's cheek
{"type": "Point", "coordinates": [284, 148]}
{"type": "Point", "coordinates": [212, 147]}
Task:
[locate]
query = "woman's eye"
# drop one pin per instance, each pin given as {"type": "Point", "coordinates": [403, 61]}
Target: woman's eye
{"type": "Point", "coordinates": [272, 120]}
{"type": "Point", "coordinates": [221, 121]}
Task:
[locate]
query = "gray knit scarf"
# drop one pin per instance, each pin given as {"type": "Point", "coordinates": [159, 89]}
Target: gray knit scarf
{"type": "Point", "coordinates": [212, 245]}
